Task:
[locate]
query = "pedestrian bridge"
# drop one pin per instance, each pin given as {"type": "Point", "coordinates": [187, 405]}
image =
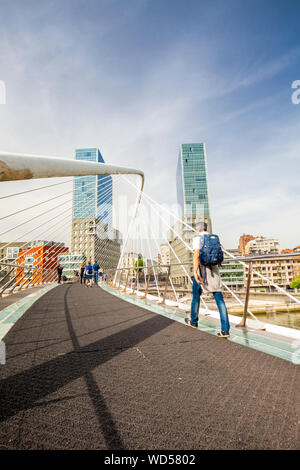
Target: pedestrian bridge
{"type": "Point", "coordinates": [114, 366]}
{"type": "Point", "coordinates": [88, 370]}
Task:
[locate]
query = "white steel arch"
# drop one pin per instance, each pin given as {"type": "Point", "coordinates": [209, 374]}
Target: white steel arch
{"type": "Point", "coordinates": [18, 166]}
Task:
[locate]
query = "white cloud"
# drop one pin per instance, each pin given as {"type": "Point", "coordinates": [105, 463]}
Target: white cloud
{"type": "Point", "coordinates": [64, 92]}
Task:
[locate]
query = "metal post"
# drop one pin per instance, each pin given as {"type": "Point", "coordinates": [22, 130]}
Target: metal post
{"type": "Point", "coordinates": [147, 286]}
{"type": "Point", "coordinates": [136, 281]}
{"type": "Point", "coordinates": [113, 281]}
{"type": "Point", "coordinates": [243, 321]}
{"type": "Point", "coordinates": [135, 284]}
{"type": "Point", "coordinates": [166, 286]}
{"type": "Point", "coordinates": [138, 278]}
{"type": "Point", "coordinates": [126, 282]}
{"type": "Point", "coordinates": [120, 279]}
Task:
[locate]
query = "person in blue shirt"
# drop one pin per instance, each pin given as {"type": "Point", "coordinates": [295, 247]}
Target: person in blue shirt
{"type": "Point", "coordinates": [96, 268]}
{"type": "Point", "coordinates": [209, 283]}
{"type": "Point", "coordinates": [101, 273]}
{"type": "Point", "coordinates": [89, 274]}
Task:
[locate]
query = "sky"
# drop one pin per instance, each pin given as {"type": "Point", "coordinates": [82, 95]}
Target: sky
{"type": "Point", "coordinates": [137, 78]}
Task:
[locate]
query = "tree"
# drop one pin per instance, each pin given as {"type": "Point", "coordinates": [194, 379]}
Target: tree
{"type": "Point", "coordinates": [295, 284]}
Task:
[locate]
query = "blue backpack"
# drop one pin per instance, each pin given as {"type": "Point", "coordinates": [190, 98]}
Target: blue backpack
{"type": "Point", "coordinates": [89, 269]}
{"type": "Point", "coordinates": [211, 252]}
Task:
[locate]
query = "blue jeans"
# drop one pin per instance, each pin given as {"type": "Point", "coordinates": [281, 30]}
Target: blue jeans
{"type": "Point", "coordinates": [222, 310]}
{"type": "Point", "coordinates": [197, 291]}
{"type": "Point", "coordinates": [218, 296]}
{"type": "Point", "coordinates": [96, 276]}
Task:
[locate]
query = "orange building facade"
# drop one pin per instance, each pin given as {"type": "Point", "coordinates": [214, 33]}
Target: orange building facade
{"type": "Point", "coordinates": [294, 250]}
{"type": "Point", "coordinates": [38, 265]}
{"type": "Point", "coordinates": [244, 239]}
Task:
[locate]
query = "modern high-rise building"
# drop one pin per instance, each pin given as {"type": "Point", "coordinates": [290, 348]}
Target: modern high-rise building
{"type": "Point", "coordinates": [192, 187]}
{"type": "Point", "coordinates": [92, 194]}
{"type": "Point", "coordinates": [92, 232]}
{"type": "Point", "coordinates": [193, 200]}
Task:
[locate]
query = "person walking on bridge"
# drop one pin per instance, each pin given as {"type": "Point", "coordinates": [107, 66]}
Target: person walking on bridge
{"type": "Point", "coordinates": [96, 268]}
{"type": "Point", "coordinates": [207, 277]}
{"type": "Point", "coordinates": [82, 274]}
{"type": "Point", "coordinates": [59, 272]}
{"type": "Point", "coordinates": [101, 273]}
{"type": "Point", "coordinates": [89, 274]}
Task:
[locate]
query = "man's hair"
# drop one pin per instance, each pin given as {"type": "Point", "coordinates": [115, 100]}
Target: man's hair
{"type": "Point", "coordinates": [201, 226]}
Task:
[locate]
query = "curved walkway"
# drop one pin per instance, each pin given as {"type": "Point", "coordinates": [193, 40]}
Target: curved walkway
{"type": "Point", "coordinates": [87, 370]}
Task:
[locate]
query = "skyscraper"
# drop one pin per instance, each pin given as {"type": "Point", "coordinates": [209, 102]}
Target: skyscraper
{"type": "Point", "coordinates": [192, 188]}
{"type": "Point", "coordinates": [92, 194]}
{"type": "Point", "coordinates": [192, 197]}
{"type": "Point", "coordinates": [92, 232]}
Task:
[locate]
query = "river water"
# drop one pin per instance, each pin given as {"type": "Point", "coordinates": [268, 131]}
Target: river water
{"type": "Point", "coordinates": [290, 320]}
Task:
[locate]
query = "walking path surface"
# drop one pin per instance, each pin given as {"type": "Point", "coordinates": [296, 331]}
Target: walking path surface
{"type": "Point", "coordinates": [88, 370]}
{"type": "Point", "coordinates": [13, 306]}
{"type": "Point", "coordinates": [7, 300]}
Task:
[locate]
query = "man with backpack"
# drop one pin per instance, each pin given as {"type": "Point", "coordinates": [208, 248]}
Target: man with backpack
{"type": "Point", "coordinates": [207, 259]}
{"type": "Point", "coordinates": [89, 274]}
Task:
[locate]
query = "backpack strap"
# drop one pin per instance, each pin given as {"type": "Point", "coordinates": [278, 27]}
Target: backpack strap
{"type": "Point", "coordinates": [202, 243]}
{"type": "Point", "coordinates": [202, 240]}
{"type": "Point", "coordinates": [204, 275]}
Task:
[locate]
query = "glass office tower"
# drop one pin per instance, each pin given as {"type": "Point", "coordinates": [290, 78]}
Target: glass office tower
{"type": "Point", "coordinates": [192, 190]}
{"type": "Point", "coordinates": [192, 197]}
{"type": "Point", "coordinates": [92, 196]}
{"type": "Point", "coordinates": [93, 236]}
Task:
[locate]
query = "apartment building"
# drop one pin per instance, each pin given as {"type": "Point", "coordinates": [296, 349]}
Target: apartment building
{"type": "Point", "coordinates": [281, 269]}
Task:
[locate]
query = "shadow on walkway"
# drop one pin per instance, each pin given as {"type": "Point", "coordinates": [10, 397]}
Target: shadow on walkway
{"type": "Point", "coordinates": [21, 391]}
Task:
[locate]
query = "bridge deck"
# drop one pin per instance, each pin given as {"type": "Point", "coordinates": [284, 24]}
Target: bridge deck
{"type": "Point", "coordinates": [87, 370]}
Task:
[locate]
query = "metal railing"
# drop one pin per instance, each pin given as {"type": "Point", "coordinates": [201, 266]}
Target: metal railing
{"type": "Point", "coordinates": [137, 280]}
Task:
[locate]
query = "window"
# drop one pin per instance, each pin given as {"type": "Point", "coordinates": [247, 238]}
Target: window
{"type": "Point", "coordinates": [12, 252]}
